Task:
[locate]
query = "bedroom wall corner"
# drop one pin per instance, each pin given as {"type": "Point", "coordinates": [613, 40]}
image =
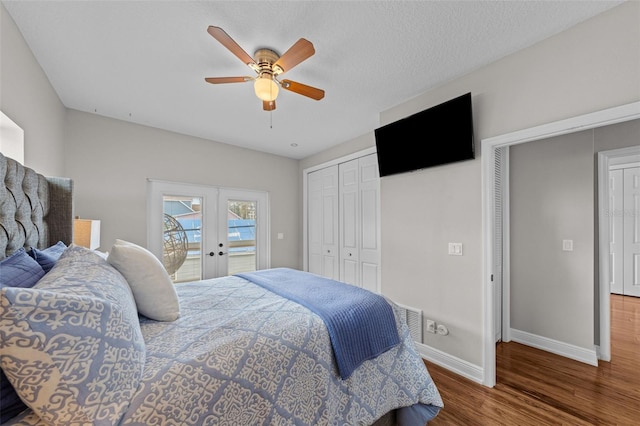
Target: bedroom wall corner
{"type": "Point", "coordinates": [28, 99]}
{"type": "Point", "coordinates": [112, 185]}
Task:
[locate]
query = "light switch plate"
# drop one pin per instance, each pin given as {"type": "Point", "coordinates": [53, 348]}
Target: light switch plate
{"type": "Point", "coordinates": [567, 245]}
{"type": "Point", "coordinates": [455, 249]}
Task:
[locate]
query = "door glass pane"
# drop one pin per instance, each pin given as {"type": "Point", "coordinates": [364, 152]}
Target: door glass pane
{"type": "Point", "coordinates": [241, 233]}
{"type": "Point", "coordinates": [182, 246]}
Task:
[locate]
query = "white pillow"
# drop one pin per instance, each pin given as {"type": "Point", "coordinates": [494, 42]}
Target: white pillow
{"type": "Point", "coordinates": [152, 288]}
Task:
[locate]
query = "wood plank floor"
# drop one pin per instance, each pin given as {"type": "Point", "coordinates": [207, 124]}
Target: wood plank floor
{"type": "Point", "coordinates": [535, 387]}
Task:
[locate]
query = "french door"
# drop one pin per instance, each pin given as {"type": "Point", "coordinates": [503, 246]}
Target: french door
{"type": "Point", "coordinates": [202, 232]}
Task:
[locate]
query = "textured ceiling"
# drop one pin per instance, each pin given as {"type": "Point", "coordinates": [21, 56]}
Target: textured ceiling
{"type": "Point", "coordinates": [145, 61]}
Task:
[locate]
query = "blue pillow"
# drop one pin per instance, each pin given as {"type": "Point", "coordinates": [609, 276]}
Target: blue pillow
{"type": "Point", "coordinates": [49, 256]}
{"type": "Point", "coordinates": [19, 270]}
{"type": "Point", "coordinates": [10, 402]}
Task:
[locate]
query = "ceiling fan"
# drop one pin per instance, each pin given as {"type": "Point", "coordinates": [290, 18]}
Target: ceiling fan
{"type": "Point", "coordinates": [268, 65]}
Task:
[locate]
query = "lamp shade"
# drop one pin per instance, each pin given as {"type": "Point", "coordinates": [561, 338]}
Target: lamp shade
{"type": "Point", "coordinates": [265, 88]}
{"type": "Point", "coordinates": [86, 233]}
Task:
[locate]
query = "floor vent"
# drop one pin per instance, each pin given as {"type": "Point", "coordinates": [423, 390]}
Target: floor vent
{"type": "Point", "coordinates": [413, 317]}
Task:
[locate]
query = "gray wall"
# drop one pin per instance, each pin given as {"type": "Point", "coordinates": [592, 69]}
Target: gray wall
{"type": "Point", "coordinates": [591, 67]}
{"type": "Point", "coordinates": [551, 200]}
{"type": "Point", "coordinates": [110, 160]}
{"type": "Point", "coordinates": [26, 97]}
{"type": "Point", "coordinates": [553, 190]}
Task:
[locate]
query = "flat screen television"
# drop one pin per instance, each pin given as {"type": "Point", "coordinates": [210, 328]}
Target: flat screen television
{"type": "Point", "coordinates": [438, 135]}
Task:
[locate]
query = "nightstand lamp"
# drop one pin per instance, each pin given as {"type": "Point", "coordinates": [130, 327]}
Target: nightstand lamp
{"type": "Point", "coordinates": [86, 233]}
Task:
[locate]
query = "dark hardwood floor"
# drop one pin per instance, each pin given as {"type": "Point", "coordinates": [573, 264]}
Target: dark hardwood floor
{"type": "Point", "coordinates": [535, 387]}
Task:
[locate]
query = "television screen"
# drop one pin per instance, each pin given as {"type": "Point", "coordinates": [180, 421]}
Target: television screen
{"type": "Point", "coordinates": [438, 135]}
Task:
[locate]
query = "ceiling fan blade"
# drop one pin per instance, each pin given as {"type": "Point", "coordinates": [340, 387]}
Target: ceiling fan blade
{"type": "Point", "coordinates": [224, 38]}
{"type": "Point", "coordinates": [301, 50]}
{"type": "Point", "coordinates": [268, 105]}
{"type": "Point", "coordinates": [302, 89]}
{"type": "Point", "coordinates": [218, 80]}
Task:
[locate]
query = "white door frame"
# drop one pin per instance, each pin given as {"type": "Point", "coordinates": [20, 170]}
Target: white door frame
{"type": "Point", "coordinates": [605, 159]}
{"type": "Point", "coordinates": [583, 122]}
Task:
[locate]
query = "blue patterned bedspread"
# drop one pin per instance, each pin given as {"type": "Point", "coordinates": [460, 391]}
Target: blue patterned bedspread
{"type": "Point", "coordinates": [361, 324]}
{"type": "Point", "coordinates": [242, 355]}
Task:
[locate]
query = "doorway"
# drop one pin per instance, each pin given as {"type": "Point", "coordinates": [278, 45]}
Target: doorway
{"type": "Point", "coordinates": [622, 191]}
{"type": "Point", "coordinates": [202, 232]}
{"type": "Point", "coordinates": [489, 164]}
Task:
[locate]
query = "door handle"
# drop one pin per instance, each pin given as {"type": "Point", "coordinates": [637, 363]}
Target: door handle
{"type": "Point", "coordinates": [211, 253]}
{"type": "Point", "coordinates": [221, 253]}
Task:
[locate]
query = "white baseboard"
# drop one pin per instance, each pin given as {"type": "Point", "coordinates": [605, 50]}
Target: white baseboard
{"type": "Point", "coordinates": [588, 356]}
{"type": "Point", "coordinates": [465, 369]}
{"type": "Point", "coordinates": [475, 373]}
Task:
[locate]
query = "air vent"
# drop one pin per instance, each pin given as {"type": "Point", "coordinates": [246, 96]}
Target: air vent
{"type": "Point", "coordinates": [413, 317]}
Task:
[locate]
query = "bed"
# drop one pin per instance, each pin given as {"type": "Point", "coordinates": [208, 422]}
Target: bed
{"type": "Point", "coordinates": [101, 339]}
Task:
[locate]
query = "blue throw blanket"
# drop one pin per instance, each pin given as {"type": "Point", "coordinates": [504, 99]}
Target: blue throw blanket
{"type": "Point", "coordinates": [361, 324]}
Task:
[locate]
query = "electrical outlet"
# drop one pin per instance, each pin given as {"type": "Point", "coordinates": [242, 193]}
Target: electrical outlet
{"type": "Point", "coordinates": [442, 330]}
{"type": "Point", "coordinates": [431, 326]}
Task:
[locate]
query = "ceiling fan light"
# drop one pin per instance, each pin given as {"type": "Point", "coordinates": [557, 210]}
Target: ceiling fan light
{"type": "Point", "coordinates": [266, 89]}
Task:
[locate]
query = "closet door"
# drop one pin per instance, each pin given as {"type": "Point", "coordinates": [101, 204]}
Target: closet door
{"type": "Point", "coordinates": [349, 222]}
{"type": "Point", "coordinates": [631, 232]}
{"type": "Point", "coordinates": [322, 215]}
{"type": "Point", "coordinates": [616, 232]}
{"type": "Point", "coordinates": [624, 231]}
{"type": "Point", "coordinates": [360, 222]}
{"type": "Point", "coordinates": [370, 251]}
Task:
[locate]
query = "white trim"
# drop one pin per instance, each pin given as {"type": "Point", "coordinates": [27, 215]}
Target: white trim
{"type": "Point", "coordinates": [605, 158]}
{"type": "Point", "coordinates": [584, 122]}
{"type": "Point", "coordinates": [339, 160]}
{"type": "Point", "coordinates": [588, 356]}
{"type": "Point", "coordinates": [459, 366]}
{"type": "Point", "coordinates": [570, 125]}
{"type": "Point", "coordinates": [506, 254]}
{"type": "Point", "coordinates": [488, 225]}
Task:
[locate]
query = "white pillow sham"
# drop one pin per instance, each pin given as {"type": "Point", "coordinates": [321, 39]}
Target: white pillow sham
{"type": "Point", "coordinates": [151, 285]}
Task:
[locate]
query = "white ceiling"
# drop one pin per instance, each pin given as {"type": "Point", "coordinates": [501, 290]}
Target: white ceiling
{"type": "Point", "coordinates": [145, 61]}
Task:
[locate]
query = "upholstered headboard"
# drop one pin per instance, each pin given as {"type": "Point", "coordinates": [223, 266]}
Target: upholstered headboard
{"type": "Point", "coordinates": [35, 211]}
